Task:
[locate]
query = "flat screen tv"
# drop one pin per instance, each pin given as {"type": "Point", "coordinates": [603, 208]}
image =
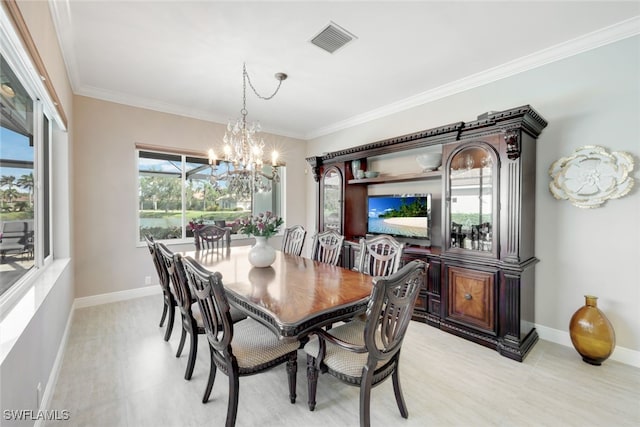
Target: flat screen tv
{"type": "Point", "coordinates": [407, 215]}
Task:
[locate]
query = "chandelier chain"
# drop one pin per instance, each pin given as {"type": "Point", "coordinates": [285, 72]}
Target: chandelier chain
{"type": "Point", "coordinates": [247, 78]}
{"type": "Point", "coordinates": [243, 151]}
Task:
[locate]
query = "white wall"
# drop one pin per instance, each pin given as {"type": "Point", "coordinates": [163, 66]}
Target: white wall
{"type": "Point", "coordinates": [588, 99]}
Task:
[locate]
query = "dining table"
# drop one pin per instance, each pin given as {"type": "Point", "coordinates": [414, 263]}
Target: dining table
{"type": "Point", "coordinates": [291, 297]}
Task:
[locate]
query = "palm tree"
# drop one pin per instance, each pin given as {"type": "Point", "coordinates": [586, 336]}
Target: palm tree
{"type": "Point", "coordinates": [8, 181]}
{"type": "Point", "coordinates": [26, 182]}
{"type": "Point", "coordinates": [10, 193]}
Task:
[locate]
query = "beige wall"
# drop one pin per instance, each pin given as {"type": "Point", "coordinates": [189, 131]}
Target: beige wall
{"type": "Point", "coordinates": [38, 18]}
{"type": "Point", "coordinates": [107, 256]}
{"type": "Point", "coordinates": [589, 99]}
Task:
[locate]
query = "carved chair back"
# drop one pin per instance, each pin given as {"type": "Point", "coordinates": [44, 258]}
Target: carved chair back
{"type": "Point", "coordinates": [168, 298]}
{"type": "Point", "coordinates": [212, 237]}
{"type": "Point", "coordinates": [327, 247]}
{"type": "Point", "coordinates": [390, 309]}
{"type": "Point", "coordinates": [293, 240]}
{"type": "Point", "coordinates": [175, 269]}
{"type": "Point", "coordinates": [163, 275]}
{"type": "Point", "coordinates": [214, 306]}
{"type": "Point", "coordinates": [379, 256]}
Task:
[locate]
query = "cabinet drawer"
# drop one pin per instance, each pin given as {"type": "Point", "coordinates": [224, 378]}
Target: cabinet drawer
{"type": "Point", "coordinates": [471, 297]}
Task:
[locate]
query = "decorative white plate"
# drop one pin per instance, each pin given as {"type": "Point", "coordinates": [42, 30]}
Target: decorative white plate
{"type": "Point", "coordinates": [591, 176]}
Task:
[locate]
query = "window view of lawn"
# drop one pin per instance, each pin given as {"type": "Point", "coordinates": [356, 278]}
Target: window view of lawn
{"type": "Point", "coordinates": [174, 190]}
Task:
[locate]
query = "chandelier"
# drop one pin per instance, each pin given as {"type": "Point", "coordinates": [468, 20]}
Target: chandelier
{"type": "Point", "coordinates": [243, 151]}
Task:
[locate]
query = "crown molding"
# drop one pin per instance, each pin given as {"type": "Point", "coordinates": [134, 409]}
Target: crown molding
{"type": "Point", "coordinates": [622, 30]}
{"type": "Point", "coordinates": [61, 17]}
{"type": "Point", "coordinates": [607, 35]}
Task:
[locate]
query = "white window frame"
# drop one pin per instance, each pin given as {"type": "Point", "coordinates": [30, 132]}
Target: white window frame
{"type": "Point", "coordinates": [184, 154]}
{"type": "Point", "coordinates": [21, 64]}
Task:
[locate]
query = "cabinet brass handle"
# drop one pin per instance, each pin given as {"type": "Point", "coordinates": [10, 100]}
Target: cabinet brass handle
{"type": "Point", "coordinates": [467, 297]}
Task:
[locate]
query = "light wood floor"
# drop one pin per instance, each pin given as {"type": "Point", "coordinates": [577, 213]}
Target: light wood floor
{"type": "Point", "coordinates": [118, 371]}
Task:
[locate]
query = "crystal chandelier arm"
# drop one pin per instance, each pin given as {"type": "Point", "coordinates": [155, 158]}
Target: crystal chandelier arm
{"type": "Point", "coordinates": [270, 177]}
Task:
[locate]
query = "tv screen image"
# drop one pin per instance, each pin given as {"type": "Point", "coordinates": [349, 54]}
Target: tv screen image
{"type": "Point", "coordinates": [400, 215]}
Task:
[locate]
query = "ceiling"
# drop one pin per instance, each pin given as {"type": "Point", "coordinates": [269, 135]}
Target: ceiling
{"type": "Point", "coordinates": [186, 57]}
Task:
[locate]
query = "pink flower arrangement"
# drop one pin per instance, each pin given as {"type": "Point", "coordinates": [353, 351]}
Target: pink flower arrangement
{"type": "Point", "coordinates": [196, 224]}
{"type": "Point", "coordinates": [264, 224]}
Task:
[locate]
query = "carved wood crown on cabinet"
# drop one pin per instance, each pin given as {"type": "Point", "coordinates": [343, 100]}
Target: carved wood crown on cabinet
{"type": "Point", "coordinates": [481, 290]}
{"type": "Point", "coordinates": [520, 118]}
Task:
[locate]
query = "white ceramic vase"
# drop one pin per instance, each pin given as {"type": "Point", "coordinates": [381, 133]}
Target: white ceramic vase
{"type": "Point", "coordinates": [261, 254]}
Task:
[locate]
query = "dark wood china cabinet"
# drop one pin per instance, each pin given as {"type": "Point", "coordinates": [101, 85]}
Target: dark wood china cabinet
{"type": "Point", "coordinates": [480, 282]}
{"type": "Point", "coordinates": [341, 207]}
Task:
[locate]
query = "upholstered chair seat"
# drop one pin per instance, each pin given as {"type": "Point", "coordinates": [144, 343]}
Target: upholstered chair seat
{"type": "Point", "coordinates": [254, 345]}
{"type": "Point", "coordinates": [342, 362]}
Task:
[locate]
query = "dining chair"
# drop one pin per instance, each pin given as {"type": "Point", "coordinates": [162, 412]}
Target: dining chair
{"type": "Point", "coordinates": [293, 240]}
{"type": "Point", "coordinates": [241, 349]}
{"type": "Point", "coordinates": [365, 352]}
{"type": "Point", "coordinates": [327, 247]}
{"type": "Point", "coordinates": [169, 301]}
{"type": "Point", "coordinates": [212, 237]}
{"type": "Point", "coordinates": [189, 311]}
{"type": "Point", "coordinates": [379, 255]}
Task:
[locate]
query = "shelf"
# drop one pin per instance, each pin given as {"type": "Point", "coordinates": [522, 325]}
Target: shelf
{"type": "Point", "coordinates": [382, 179]}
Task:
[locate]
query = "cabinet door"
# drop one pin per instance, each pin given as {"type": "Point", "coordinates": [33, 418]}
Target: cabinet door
{"type": "Point", "coordinates": [472, 199]}
{"type": "Point", "coordinates": [420, 309]}
{"type": "Point", "coordinates": [331, 200]}
{"type": "Point", "coordinates": [471, 297]}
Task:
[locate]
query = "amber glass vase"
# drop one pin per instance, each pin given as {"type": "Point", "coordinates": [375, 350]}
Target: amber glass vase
{"type": "Point", "coordinates": [591, 332]}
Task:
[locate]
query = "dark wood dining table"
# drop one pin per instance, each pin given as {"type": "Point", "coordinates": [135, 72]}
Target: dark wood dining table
{"type": "Point", "coordinates": [293, 296]}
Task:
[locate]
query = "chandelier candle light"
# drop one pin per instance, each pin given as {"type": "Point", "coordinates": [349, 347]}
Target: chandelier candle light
{"type": "Point", "coordinates": [244, 149]}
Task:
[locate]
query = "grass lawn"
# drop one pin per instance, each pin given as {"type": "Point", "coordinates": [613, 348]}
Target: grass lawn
{"type": "Point", "coordinates": [12, 216]}
{"type": "Point", "coordinates": [206, 215]}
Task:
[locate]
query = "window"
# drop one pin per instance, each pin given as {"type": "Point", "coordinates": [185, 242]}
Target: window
{"type": "Point", "coordinates": [24, 167]}
{"type": "Point", "coordinates": [174, 189]}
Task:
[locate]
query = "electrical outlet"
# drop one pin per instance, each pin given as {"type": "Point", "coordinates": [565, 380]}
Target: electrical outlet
{"type": "Point", "coordinates": [147, 280]}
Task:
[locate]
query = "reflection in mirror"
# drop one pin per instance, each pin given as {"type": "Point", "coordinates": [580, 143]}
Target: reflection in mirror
{"type": "Point", "coordinates": [471, 206]}
{"type": "Point", "coordinates": [331, 198]}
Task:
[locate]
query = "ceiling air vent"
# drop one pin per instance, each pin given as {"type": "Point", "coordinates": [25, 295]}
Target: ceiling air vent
{"type": "Point", "coordinates": [332, 37]}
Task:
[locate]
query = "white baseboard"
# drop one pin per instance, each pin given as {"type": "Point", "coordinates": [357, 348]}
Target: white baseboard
{"type": "Point", "coordinates": [620, 354]}
{"type": "Point", "coordinates": [47, 396]}
{"type": "Point", "coordinates": [116, 296]}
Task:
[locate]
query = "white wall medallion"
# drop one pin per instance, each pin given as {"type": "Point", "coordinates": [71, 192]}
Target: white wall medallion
{"type": "Point", "coordinates": [591, 176]}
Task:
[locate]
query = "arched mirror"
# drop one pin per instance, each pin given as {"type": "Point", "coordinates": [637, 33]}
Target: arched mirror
{"type": "Point", "coordinates": [332, 183]}
{"type": "Point", "coordinates": [472, 199]}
